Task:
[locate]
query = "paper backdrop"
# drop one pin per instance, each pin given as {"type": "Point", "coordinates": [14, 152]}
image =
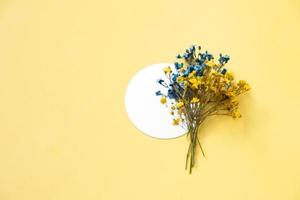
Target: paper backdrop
{"type": "Point", "coordinates": [64, 69]}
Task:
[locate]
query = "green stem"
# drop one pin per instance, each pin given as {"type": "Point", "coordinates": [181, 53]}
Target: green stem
{"type": "Point", "coordinates": [191, 154]}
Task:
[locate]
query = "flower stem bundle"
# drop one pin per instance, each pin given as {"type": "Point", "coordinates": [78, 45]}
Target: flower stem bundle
{"type": "Point", "coordinates": [197, 88]}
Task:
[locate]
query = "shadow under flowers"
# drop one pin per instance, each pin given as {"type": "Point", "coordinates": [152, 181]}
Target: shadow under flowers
{"type": "Point", "coordinates": [219, 133]}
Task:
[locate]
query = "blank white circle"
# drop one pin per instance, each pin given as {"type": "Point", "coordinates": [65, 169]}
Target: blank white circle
{"type": "Point", "coordinates": [144, 108]}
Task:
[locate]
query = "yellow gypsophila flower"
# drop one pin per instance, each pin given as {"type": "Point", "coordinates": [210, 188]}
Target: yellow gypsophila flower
{"type": "Point", "coordinates": [236, 114]}
{"type": "Point", "coordinates": [163, 100]}
{"type": "Point", "coordinates": [241, 82]}
{"type": "Point", "coordinates": [179, 104]}
{"type": "Point", "coordinates": [233, 102]}
{"type": "Point", "coordinates": [193, 80]}
{"type": "Point", "coordinates": [247, 87]}
{"type": "Point", "coordinates": [195, 100]}
{"type": "Point", "coordinates": [192, 74]}
{"type": "Point", "coordinates": [180, 79]}
{"type": "Point", "coordinates": [176, 121]}
{"type": "Point", "coordinates": [229, 76]}
{"type": "Point", "coordinates": [230, 94]}
{"type": "Point", "coordinates": [244, 85]}
{"type": "Point", "coordinates": [210, 63]}
{"type": "Point", "coordinates": [195, 83]}
{"type": "Point", "coordinates": [167, 70]}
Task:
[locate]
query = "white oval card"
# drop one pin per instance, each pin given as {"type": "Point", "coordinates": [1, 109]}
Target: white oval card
{"type": "Point", "coordinates": [144, 108]}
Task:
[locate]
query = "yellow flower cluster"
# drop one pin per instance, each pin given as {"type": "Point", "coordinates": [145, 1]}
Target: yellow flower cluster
{"type": "Point", "coordinates": [212, 86]}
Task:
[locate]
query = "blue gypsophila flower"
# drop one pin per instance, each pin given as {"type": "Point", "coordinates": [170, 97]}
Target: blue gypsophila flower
{"type": "Point", "coordinates": [207, 55]}
{"type": "Point", "coordinates": [190, 68]}
{"type": "Point", "coordinates": [158, 93]}
{"type": "Point", "coordinates": [223, 71]}
{"type": "Point", "coordinates": [174, 77]}
{"type": "Point", "coordinates": [191, 50]}
{"type": "Point", "coordinates": [199, 70]}
{"type": "Point", "coordinates": [223, 59]}
{"type": "Point", "coordinates": [171, 94]}
{"type": "Point", "coordinates": [185, 73]}
{"type": "Point", "coordinates": [201, 59]}
{"type": "Point", "coordinates": [185, 55]}
{"type": "Point", "coordinates": [178, 65]}
{"type": "Point", "coordinates": [198, 67]}
{"type": "Point", "coordinates": [193, 47]}
{"type": "Point", "coordinates": [162, 82]}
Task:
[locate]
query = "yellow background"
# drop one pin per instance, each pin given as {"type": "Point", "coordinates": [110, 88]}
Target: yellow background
{"type": "Point", "coordinates": [64, 68]}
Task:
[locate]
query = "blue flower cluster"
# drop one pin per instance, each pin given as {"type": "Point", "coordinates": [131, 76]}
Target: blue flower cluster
{"type": "Point", "coordinates": [171, 89]}
{"type": "Point", "coordinates": [194, 61]}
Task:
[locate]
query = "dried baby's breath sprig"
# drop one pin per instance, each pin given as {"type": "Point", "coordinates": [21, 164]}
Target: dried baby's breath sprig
{"type": "Point", "coordinates": [199, 87]}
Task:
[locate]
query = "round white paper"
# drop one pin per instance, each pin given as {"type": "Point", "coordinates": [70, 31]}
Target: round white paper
{"type": "Point", "coordinates": [144, 108]}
